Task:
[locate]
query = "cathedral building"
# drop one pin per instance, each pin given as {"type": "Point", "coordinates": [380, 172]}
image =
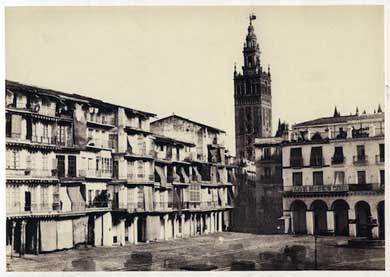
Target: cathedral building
{"type": "Point", "coordinates": [252, 98]}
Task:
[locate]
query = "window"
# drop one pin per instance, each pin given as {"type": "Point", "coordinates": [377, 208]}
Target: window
{"type": "Point", "coordinates": [15, 160]}
{"type": "Point", "coordinates": [8, 124]}
{"type": "Point", "coordinates": [316, 158]}
{"type": "Point", "coordinates": [140, 197]}
{"type": "Point", "coordinates": [44, 161]}
{"type": "Point", "coordinates": [361, 153]}
{"type": "Point", "coordinates": [318, 179]}
{"type": "Point", "coordinates": [361, 177]}
{"type": "Point", "coordinates": [297, 178]}
{"type": "Point", "coordinates": [296, 157]}
{"type": "Point", "coordinates": [339, 178]}
{"type": "Point", "coordinates": [16, 126]}
{"type": "Point", "coordinates": [61, 165]}
{"type": "Point", "coordinates": [72, 166]}
{"type": "Point", "coordinates": [194, 193]}
{"type": "Point", "coordinates": [267, 153]}
{"type": "Point", "coordinates": [381, 152]}
{"type": "Point", "coordinates": [382, 177]}
{"type": "Point", "coordinates": [338, 156]}
{"type": "Point", "coordinates": [267, 172]}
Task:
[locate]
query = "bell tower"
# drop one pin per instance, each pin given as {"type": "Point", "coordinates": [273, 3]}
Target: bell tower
{"type": "Point", "coordinates": [252, 98]}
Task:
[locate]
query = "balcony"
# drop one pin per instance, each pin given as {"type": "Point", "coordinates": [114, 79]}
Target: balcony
{"type": "Point", "coordinates": [30, 173]}
{"type": "Point", "coordinates": [317, 162]}
{"type": "Point", "coordinates": [17, 208]}
{"type": "Point", "coordinates": [209, 204]}
{"type": "Point", "coordinates": [379, 159]}
{"type": "Point", "coordinates": [91, 173]}
{"type": "Point", "coordinates": [323, 188]}
{"type": "Point", "coordinates": [43, 140]}
{"type": "Point", "coordinates": [296, 162]}
{"type": "Point", "coordinates": [140, 178]}
{"type": "Point", "coordinates": [162, 205]}
{"type": "Point", "coordinates": [129, 206]}
{"type": "Point", "coordinates": [98, 204]}
{"type": "Point", "coordinates": [360, 159]}
{"type": "Point", "coordinates": [335, 188]}
{"type": "Point", "coordinates": [52, 141]}
{"type": "Point", "coordinates": [338, 160]}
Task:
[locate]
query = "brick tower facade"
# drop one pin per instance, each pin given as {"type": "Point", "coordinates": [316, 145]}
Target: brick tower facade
{"type": "Point", "coordinates": [252, 98]}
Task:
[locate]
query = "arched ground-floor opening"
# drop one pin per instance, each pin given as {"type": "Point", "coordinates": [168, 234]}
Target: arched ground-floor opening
{"type": "Point", "coordinates": [319, 209]}
{"type": "Point", "coordinates": [381, 219]}
{"type": "Point", "coordinates": [340, 210]}
{"type": "Point", "coordinates": [363, 212]}
{"type": "Point", "coordinates": [298, 212]}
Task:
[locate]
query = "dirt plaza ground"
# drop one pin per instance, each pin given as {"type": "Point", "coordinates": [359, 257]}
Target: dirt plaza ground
{"type": "Point", "coordinates": [219, 251]}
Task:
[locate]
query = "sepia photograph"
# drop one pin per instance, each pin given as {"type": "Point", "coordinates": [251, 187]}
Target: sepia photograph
{"type": "Point", "coordinates": [194, 138]}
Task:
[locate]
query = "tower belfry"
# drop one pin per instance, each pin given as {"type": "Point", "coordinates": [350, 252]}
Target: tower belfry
{"type": "Point", "coordinates": [252, 97]}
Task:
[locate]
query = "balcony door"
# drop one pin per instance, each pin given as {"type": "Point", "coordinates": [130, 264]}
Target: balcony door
{"type": "Point", "coordinates": [61, 165]}
{"type": "Point", "coordinates": [71, 166]}
{"type": "Point", "coordinates": [361, 152]}
{"type": "Point", "coordinates": [27, 201]}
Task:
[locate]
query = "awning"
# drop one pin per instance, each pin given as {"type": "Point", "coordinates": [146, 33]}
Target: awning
{"type": "Point", "coordinates": [184, 175]}
{"type": "Point", "coordinates": [220, 195]}
{"type": "Point", "coordinates": [78, 202]}
{"type": "Point", "coordinates": [232, 176]}
{"type": "Point", "coordinates": [129, 147]}
{"type": "Point", "coordinates": [161, 174]}
{"type": "Point", "coordinates": [198, 176]}
{"type": "Point", "coordinates": [176, 177]}
{"type": "Point", "coordinates": [148, 198]}
{"type": "Point", "coordinates": [221, 175]}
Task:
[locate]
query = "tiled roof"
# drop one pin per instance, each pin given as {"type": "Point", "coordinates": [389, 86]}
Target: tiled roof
{"type": "Point", "coordinates": [56, 93]}
{"type": "Point", "coordinates": [337, 119]}
{"type": "Point", "coordinates": [191, 121]}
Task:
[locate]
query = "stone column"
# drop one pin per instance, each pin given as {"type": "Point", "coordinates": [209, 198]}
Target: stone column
{"type": "Point", "coordinates": [292, 223]}
{"type": "Point", "coordinates": [190, 225]}
{"type": "Point", "coordinates": [166, 227]}
{"type": "Point", "coordinates": [309, 222]}
{"type": "Point", "coordinates": [201, 224]}
{"type": "Point", "coordinates": [212, 223]}
{"type": "Point", "coordinates": [375, 230]}
{"type": "Point", "coordinates": [13, 237]}
{"type": "Point", "coordinates": [330, 221]}
{"type": "Point", "coordinates": [287, 221]}
{"type": "Point", "coordinates": [175, 229]}
{"type": "Point", "coordinates": [22, 238]}
{"type": "Point", "coordinates": [122, 232]}
{"type": "Point", "coordinates": [135, 229]}
{"type": "Point", "coordinates": [131, 232]}
{"type": "Point", "coordinates": [182, 218]}
{"type": "Point", "coordinates": [352, 226]}
{"type": "Point", "coordinates": [220, 222]}
{"type": "Point", "coordinates": [37, 239]}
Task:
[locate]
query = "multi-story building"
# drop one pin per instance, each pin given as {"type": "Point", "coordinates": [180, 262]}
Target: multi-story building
{"type": "Point", "coordinates": [333, 174]}
{"type": "Point", "coordinates": [83, 171]}
{"type": "Point", "coordinates": [259, 205]}
{"type": "Point", "coordinates": [252, 99]}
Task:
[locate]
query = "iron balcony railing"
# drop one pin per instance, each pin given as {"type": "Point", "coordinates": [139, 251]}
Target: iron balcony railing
{"type": "Point", "coordinates": [296, 162]}
{"type": "Point", "coordinates": [335, 188]}
{"type": "Point", "coordinates": [379, 159]}
{"type": "Point", "coordinates": [338, 160]}
{"type": "Point", "coordinates": [98, 204]}
{"type": "Point", "coordinates": [360, 159]}
{"type": "Point", "coordinates": [91, 173]}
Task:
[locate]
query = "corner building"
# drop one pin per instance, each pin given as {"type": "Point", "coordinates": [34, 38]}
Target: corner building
{"type": "Point", "coordinates": [80, 171]}
{"type": "Point", "coordinates": [334, 178]}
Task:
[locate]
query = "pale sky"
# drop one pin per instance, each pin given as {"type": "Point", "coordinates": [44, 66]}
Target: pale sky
{"type": "Point", "coordinates": [180, 59]}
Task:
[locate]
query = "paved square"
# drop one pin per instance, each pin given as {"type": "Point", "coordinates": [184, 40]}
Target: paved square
{"type": "Point", "coordinates": [218, 251]}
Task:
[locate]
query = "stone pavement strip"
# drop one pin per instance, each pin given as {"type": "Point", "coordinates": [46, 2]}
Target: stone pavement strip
{"type": "Point", "coordinates": [220, 251]}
